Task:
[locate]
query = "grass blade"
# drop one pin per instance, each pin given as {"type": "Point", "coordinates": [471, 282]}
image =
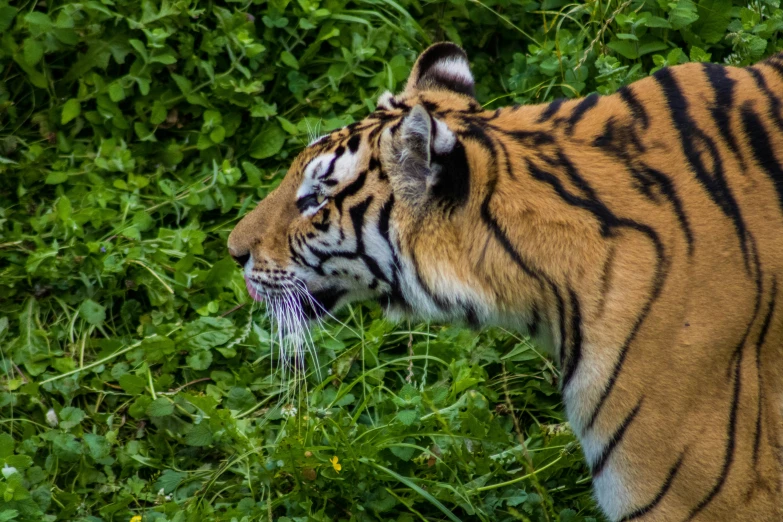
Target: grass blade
{"type": "Point", "coordinates": [408, 482]}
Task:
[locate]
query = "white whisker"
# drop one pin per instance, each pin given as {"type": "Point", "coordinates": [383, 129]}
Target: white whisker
{"type": "Point", "coordinates": [315, 304]}
{"type": "Point", "coordinates": [291, 332]}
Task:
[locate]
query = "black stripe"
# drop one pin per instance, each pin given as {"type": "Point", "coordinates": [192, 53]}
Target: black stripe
{"type": "Point", "coordinates": [605, 278]}
{"type": "Point", "coordinates": [529, 138]}
{"type": "Point", "coordinates": [571, 362]}
{"type": "Point", "coordinates": [606, 218]}
{"type": "Point", "coordinates": [357, 213]}
{"type": "Point", "coordinates": [494, 227]}
{"type": "Point", "coordinates": [436, 53]}
{"type": "Point", "coordinates": [376, 166]}
{"type": "Point", "coordinates": [398, 104]}
{"type": "Point", "coordinates": [636, 108]}
{"type": "Point", "coordinates": [432, 107]}
{"type": "Point", "coordinates": [551, 110]}
{"type": "Point", "coordinates": [384, 217]}
{"type": "Point", "coordinates": [297, 258]}
{"type": "Point", "coordinates": [658, 281]}
{"type": "Point", "coordinates": [723, 106]}
{"type": "Point", "coordinates": [607, 140]}
{"type": "Point", "coordinates": [617, 144]}
{"type": "Point", "coordinates": [451, 188]}
{"type": "Point", "coordinates": [730, 441]}
{"type": "Point", "coordinates": [608, 221]}
{"type": "Point", "coordinates": [775, 65]}
{"type": "Point", "coordinates": [577, 179]}
{"type": "Point", "coordinates": [381, 116]}
{"type": "Point", "coordinates": [736, 360]}
{"type": "Point", "coordinates": [693, 140]}
{"type": "Point", "coordinates": [394, 129]}
{"type": "Point", "coordinates": [561, 320]}
{"type": "Point", "coordinates": [774, 101]}
{"type": "Point", "coordinates": [329, 170]}
{"type": "Point", "coordinates": [452, 83]}
{"type": "Point", "coordinates": [438, 78]}
{"type": "Point", "coordinates": [617, 437]}
{"type": "Point", "coordinates": [438, 300]}
{"type": "Point", "coordinates": [327, 298]}
{"type": "Point", "coordinates": [759, 344]}
{"type": "Point", "coordinates": [667, 484]}
{"type": "Point", "coordinates": [506, 160]}
{"type": "Point", "coordinates": [471, 316]}
{"type": "Point", "coordinates": [502, 238]}
{"type": "Point", "coordinates": [354, 142]}
{"type": "Point", "coordinates": [354, 187]}
{"type": "Point", "coordinates": [322, 225]}
{"type": "Point", "coordinates": [760, 143]}
{"type": "Point", "coordinates": [580, 110]}
{"type": "Point", "coordinates": [589, 203]}
{"type": "Point", "coordinates": [665, 185]}
{"type": "Point", "coordinates": [532, 327]}
{"type": "Point", "coordinates": [478, 133]}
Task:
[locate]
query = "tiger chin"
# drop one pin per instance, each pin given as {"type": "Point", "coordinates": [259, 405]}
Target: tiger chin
{"type": "Point", "coordinates": [642, 232]}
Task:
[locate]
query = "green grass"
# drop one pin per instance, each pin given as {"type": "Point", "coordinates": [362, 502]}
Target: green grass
{"type": "Point", "coordinates": [137, 378]}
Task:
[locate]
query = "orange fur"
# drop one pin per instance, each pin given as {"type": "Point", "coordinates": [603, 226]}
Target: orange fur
{"type": "Point", "coordinates": [642, 232]}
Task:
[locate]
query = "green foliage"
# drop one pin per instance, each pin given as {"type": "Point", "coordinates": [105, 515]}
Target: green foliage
{"type": "Point", "coordinates": [138, 379]}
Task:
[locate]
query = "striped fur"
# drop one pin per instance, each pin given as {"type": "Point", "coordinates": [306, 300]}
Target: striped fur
{"type": "Point", "coordinates": [641, 233]}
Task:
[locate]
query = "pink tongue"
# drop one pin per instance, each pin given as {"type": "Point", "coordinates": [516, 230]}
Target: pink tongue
{"type": "Point", "coordinates": [252, 291]}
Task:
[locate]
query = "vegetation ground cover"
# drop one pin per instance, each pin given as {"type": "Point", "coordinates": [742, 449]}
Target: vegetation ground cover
{"type": "Point", "coordinates": [139, 382]}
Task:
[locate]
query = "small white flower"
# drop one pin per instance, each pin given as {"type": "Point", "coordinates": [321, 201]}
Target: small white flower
{"type": "Point", "coordinates": [51, 418]}
{"type": "Point", "coordinates": [161, 492]}
{"type": "Point", "coordinates": [288, 411]}
{"type": "Point", "coordinates": [8, 470]}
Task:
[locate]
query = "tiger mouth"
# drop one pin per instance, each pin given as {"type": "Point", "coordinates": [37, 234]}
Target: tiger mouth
{"type": "Point", "coordinates": [313, 304]}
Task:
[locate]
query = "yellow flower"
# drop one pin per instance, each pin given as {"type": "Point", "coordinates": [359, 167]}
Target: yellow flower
{"type": "Point", "coordinates": [335, 464]}
{"type": "Point", "coordinates": [135, 518]}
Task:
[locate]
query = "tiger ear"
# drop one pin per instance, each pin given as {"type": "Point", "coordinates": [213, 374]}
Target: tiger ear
{"type": "Point", "coordinates": [442, 66]}
{"type": "Point", "coordinates": [430, 162]}
{"type": "Point", "coordinates": [416, 136]}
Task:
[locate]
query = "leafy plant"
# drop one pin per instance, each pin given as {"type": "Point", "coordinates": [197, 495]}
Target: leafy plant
{"type": "Point", "coordinates": [138, 380]}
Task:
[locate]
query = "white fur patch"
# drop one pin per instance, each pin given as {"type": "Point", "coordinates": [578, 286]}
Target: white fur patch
{"type": "Point", "coordinates": [385, 101]}
{"type": "Point", "coordinates": [612, 493]}
{"type": "Point", "coordinates": [582, 394]}
{"type": "Point", "coordinates": [344, 167]}
{"type": "Point", "coordinates": [453, 69]}
{"type": "Point", "coordinates": [444, 138]}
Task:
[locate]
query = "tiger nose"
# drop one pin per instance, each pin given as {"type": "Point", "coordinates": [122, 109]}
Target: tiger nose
{"type": "Point", "coordinates": [240, 258]}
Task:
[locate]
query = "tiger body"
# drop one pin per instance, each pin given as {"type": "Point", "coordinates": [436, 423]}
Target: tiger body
{"type": "Point", "coordinates": [639, 234]}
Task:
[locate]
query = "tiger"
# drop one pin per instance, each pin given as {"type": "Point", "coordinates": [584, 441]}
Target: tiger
{"type": "Point", "coordinates": [638, 234]}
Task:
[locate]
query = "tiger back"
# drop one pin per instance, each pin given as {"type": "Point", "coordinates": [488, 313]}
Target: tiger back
{"type": "Point", "coordinates": [639, 235]}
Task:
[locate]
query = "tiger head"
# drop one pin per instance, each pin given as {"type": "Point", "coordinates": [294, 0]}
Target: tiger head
{"type": "Point", "coordinates": [376, 210]}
